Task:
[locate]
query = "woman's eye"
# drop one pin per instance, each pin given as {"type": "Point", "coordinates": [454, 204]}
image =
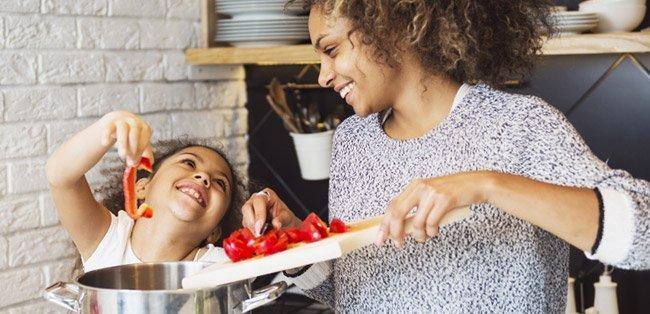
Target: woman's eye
{"type": "Point", "coordinates": [328, 51]}
{"type": "Point", "coordinates": [189, 162]}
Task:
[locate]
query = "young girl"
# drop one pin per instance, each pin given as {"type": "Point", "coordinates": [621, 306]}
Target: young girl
{"type": "Point", "coordinates": [431, 131]}
{"type": "Point", "coordinates": [192, 189]}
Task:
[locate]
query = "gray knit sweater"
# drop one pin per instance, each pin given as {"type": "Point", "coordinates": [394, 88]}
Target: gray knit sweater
{"type": "Point", "coordinates": [491, 262]}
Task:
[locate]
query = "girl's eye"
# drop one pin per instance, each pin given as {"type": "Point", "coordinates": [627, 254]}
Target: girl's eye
{"type": "Point", "coordinates": [221, 183]}
{"type": "Point", "coordinates": [189, 162]}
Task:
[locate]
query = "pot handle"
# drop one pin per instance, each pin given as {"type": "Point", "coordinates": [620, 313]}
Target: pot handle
{"type": "Point", "coordinates": [65, 294]}
{"type": "Point", "coordinates": [263, 296]}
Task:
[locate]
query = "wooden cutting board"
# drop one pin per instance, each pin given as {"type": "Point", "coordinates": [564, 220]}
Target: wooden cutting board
{"type": "Point", "coordinates": [361, 233]}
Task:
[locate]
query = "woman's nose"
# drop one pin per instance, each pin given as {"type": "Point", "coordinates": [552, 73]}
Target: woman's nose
{"type": "Point", "coordinates": [203, 179]}
{"type": "Point", "coordinates": [325, 76]}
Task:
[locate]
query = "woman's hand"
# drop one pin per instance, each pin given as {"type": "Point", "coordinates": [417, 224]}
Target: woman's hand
{"type": "Point", "coordinates": [433, 198]}
{"type": "Point", "coordinates": [262, 204]}
{"type": "Point", "coordinates": [131, 133]}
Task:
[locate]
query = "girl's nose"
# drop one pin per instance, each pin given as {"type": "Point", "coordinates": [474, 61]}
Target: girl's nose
{"type": "Point", "coordinates": [203, 179]}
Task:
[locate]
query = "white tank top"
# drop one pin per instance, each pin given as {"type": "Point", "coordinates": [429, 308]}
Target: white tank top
{"type": "Point", "coordinates": [115, 248]}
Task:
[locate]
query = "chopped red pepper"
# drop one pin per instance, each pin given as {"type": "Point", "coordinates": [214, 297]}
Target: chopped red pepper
{"type": "Point", "coordinates": [313, 228]}
{"type": "Point", "coordinates": [338, 226]}
{"type": "Point", "coordinates": [241, 244]}
{"type": "Point", "coordinates": [294, 235]}
{"type": "Point", "coordinates": [237, 250]}
{"type": "Point", "coordinates": [130, 198]}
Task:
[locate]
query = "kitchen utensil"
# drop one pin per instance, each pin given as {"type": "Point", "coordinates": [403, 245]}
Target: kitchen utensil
{"type": "Point", "coordinates": [278, 94]}
{"type": "Point", "coordinates": [286, 117]}
{"type": "Point", "coordinates": [156, 288]}
{"type": "Point", "coordinates": [360, 234]}
{"type": "Point", "coordinates": [315, 117]}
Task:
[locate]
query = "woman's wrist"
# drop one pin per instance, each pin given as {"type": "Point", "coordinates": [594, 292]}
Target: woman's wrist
{"type": "Point", "coordinates": [491, 184]}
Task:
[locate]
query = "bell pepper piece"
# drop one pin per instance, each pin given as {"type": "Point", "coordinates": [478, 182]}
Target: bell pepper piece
{"type": "Point", "coordinates": [237, 250]}
{"type": "Point", "coordinates": [313, 228]}
{"type": "Point", "coordinates": [338, 226]}
{"type": "Point", "coordinates": [294, 235]}
{"type": "Point", "coordinates": [130, 197]}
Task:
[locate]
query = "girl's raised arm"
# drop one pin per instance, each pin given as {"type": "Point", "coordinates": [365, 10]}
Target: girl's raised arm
{"type": "Point", "coordinates": [86, 219]}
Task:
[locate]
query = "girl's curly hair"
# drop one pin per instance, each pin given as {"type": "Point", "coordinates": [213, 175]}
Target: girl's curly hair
{"type": "Point", "coordinates": [466, 40]}
{"type": "Point", "coordinates": [113, 197]}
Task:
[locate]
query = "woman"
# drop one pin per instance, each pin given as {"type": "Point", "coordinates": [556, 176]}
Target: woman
{"type": "Point", "coordinates": [424, 137]}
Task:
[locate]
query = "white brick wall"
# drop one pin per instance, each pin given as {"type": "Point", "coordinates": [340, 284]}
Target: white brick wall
{"type": "Point", "coordinates": [65, 63]}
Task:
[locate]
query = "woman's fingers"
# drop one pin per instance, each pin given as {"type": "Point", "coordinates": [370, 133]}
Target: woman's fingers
{"type": "Point", "coordinates": [425, 205]}
{"type": "Point", "coordinates": [393, 224]}
{"type": "Point", "coordinates": [433, 219]}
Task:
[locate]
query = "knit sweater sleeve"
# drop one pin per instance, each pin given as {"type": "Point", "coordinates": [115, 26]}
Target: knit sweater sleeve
{"type": "Point", "coordinates": [551, 150]}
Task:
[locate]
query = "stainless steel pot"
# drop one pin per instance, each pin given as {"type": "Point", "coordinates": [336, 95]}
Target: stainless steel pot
{"type": "Point", "coordinates": [156, 288]}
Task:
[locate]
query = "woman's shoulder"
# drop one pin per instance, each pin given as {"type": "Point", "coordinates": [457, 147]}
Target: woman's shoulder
{"type": "Point", "coordinates": [356, 127]}
{"type": "Point", "coordinates": [513, 106]}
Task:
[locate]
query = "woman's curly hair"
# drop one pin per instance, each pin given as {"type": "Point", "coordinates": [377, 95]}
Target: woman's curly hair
{"type": "Point", "coordinates": [113, 197]}
{"type": "Point", "coordinates": [466, 40]}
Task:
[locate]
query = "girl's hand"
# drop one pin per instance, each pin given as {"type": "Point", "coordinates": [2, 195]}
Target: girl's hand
{"type": "Point", "coordinates": [433, 198]}
{"type": "Point", "coordinates": [131, 133]}
{"type": "Point", "coordinates": [262, 204]}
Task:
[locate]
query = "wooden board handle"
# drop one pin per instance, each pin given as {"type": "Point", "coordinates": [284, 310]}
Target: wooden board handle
{"type": "Point", "coordinates": [368, 229]}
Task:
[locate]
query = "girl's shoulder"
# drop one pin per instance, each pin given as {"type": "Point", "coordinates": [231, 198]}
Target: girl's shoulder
{"type": "Point", "coordinates": [111, 249]}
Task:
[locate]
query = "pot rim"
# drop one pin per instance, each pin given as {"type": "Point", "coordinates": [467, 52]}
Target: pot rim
{"type": "Point", "coordinates": [175, 291]}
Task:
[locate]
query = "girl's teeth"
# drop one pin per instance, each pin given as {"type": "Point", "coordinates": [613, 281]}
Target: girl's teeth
{"type": "Point", "coordinates": [192, 193]}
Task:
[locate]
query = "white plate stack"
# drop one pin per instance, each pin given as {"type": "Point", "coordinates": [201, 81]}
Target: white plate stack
{"type": "Point", "coordinates": [573, 22]}
{"type": "Point", "coordinates": [262, 23]}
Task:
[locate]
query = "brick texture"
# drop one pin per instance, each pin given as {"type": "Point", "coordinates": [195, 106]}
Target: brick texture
{"type": "Point", "coordinates": [75, 7]}
{"type": "Point", "coordinates": [63, 65]}
{"type": "Point", "coordinates": [17, 68]}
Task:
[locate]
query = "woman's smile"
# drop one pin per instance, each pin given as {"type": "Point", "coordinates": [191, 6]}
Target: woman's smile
{"type": "Point", "coordinates": [346, 91]}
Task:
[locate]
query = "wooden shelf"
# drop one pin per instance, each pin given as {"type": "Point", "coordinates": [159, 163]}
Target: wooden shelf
{"type": "Point", "coordinates": [638, 42]}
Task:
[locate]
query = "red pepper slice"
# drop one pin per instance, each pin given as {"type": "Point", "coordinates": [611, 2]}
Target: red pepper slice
{"type": "Point", "coordinates": [311, 233]}
{"type": "Point", "coordinates": [294, 235]}
{"type": "Point", "coordinates": [317, 222]}
{"type": "Point", "coordinates": [313, 228]}
{"type": "Point", "coordinates": [266, 244]}
{"type": "Point", "coordinates": [130, 198]}
{"type": "Point", "coordinates": [237, 250]}
{"type": "Point", "coordinates": [338, 226]}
